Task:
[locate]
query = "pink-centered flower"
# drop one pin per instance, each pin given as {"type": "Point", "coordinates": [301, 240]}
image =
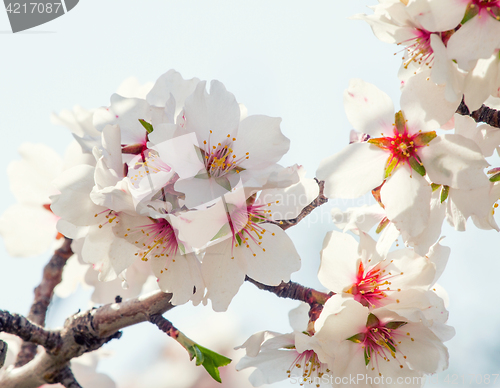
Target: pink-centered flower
{"type": "Point", "coordinates": [296, 356]}
{"type": "Point", "coordinates": [403, 153]}
{"type": "Point", "coordinates": [378, 343]}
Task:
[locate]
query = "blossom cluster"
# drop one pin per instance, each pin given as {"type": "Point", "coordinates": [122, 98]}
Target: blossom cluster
{"type": "Point", "coordinates": [184, 180]}
{"type": "Point", "coordinates": [178, 187]}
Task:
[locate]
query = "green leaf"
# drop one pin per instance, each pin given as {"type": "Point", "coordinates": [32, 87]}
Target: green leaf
{"type": "Point", "coordinates": [495, 178]}
{"type": "Point", "coordinates": [391, 346]}
{"type": "Point", "coordinates": [367, 356]}
{"type": "Point", "coordinates": [424, 138]}
{"type": "Point", "coordinates": [238, 238]}
{"type": "Point", "coordinates": [395, 325]}
{"type": "Point", "coordinates": [225, 230]}
{"type": "Point", "coordinates": [400, 122]}
{"type": "Point", "coordinates": [146, 125]}
{"type": "Point", "coordinates": [435, 186]}
{"type": "Point", "coordinates": [381, 226]}
{"type": "Point", "coordinates": [381, 142]}
{"type": "Point", "coordinates": [372, 321]}
{"type": "Point", "coordinates": [416, 165]}
{"type": "Point", "coordinates": [469, 14]}
{"type": "Point", "coordinates": [224, 182]}
{"type": "Point", "coordinates": [202, 174]}
{"type": "Point", "coordinates": [357, 338]}
{"type": "Point", "coordinates": [444, 193]}
{"type": "Point", "coordinates": [212, 361]}
{"type": "Point", "coordinates": [198, 355]}
{"type": "Point", "coordinates": [390, 167]}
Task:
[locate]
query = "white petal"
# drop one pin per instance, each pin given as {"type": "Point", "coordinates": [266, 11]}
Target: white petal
{"type": "Point", "coordinates": [178, 274]}
{"type": "Point", "coordinates": [354, 171]}
{"type": "Point", "coordinates": [407, 196]}
{"type": "Point", "coordinates": [182, 154]}
{"type": "Point", "coordinates": [75, 186]}
{"type": "Point", "coordinates": [30, 178]}
{"type": "Point", "coordinates": [223, 272]}
{"type": "Point", "coordinates": [262, 138]}
{"type": "Point", "coordinates": [217, 112]}
{"type": "Point", "coordinates": [463, 46]}
{"type": "Point", "coordinates": [439, 255]}
{"type": "Point", "coordinates": [425, 105]}
{"type": "Point", "coordinates": [339, 258]}
{"type": "Point", "coordinates": [368, 109]}
{"type": "Point", "coordinates": [299, 317]}
{"type": "Point", "coordinates": [437, 15]}
{"type": "Point", "coordinates": [287, 203]}
{"type": "Point", "coordinates": [19, 224]}
{"type": "Point", "coordinates": [274, 260]}
{"type": "Point", "coordinates": [425, 352]}
{"type": "Point", "coordinates": [169, 86]}
{"type": "Point", "coordinates": [455, 161]}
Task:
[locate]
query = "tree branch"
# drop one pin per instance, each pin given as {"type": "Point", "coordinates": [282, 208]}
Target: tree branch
{"type": "Point", "coordinates": [18, 325]}
{"type": "Point", "coordinates": [65, 377]}
{"type": "Point", "coordinates": [320, 200]}
{"type": "Point", "coordinates": [3, 352]}
{"type": "Point", "coordinates": [482, 115]}
{"type": "Point", "coordinates": [52, 275]}
{"type": "Point", "coordinates": [85, 332]}
{"type": "Point", "coordinates": [165, 325]}
{"type": "Point", "coordinates": [292, 290]}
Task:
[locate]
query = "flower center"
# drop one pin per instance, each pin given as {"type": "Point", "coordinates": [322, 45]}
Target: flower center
{"type": "Point", "coordinates": [157, 239]}
{"type": "Point", "coordinates": [475, 7]}
{"type": "Point", "coordinates": [313, 370]}
{"type": "Point", "coordinates": [380, 341]}
{"type": "Point", "coordinates": [403, 147]}
{"type": "Point", "coordinates": [418, 48]}
{"type": "Point", "coordinates": [220, 158]}
{"type": "Point", "coordinates": [371, 285]}
{"type": "Point", "coordinates": [245, 221]}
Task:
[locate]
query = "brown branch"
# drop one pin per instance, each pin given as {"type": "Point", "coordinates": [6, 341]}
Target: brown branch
{"type": "Point", "coordinates": [164, 325]}
{"type": "Point", "coordinates": [482, 115]}
{"type": "Point", "coordinates": [52, 275]}
{"type": "Point", "coordinates": [85, 332]}
{"type": "Point", "coordinates": [64, 377]}
{"type": "Point", "coordinates": [3, 352]}
{"type": "Point", "coordinates": [318, 201]}
{"type": "Point", "coordinates": [292, 290]}
{"type": "Point", "coordinates": [18, 325]}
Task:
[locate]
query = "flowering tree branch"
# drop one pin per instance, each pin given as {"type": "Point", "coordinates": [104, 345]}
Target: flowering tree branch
{"type": "Point", "coordinates": [482, 115]}
{"type": "Point", "coordinates": [52, 275]}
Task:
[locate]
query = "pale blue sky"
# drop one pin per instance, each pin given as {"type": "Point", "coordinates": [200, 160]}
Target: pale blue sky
{"type": "Point", "coordinates": [291, 59]}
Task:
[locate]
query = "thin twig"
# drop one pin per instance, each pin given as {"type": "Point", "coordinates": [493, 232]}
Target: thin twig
{"type": "Point", "coordinates": [29, 332]}
{"type": "Point", "coordinates": [164, 325]}
{"type": "Point", "coordinates": [292, 290]}
{"type": "Point", "coordinates": [315, 299]}
{"type": "Point", "coordinates": [65, 377]}
{"type": "Point", "coordinates": [52, 275]}
{"type": "Point", "coordinates": [318, 201]}
{"type": "Point", "coordinates": [482, 115]}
